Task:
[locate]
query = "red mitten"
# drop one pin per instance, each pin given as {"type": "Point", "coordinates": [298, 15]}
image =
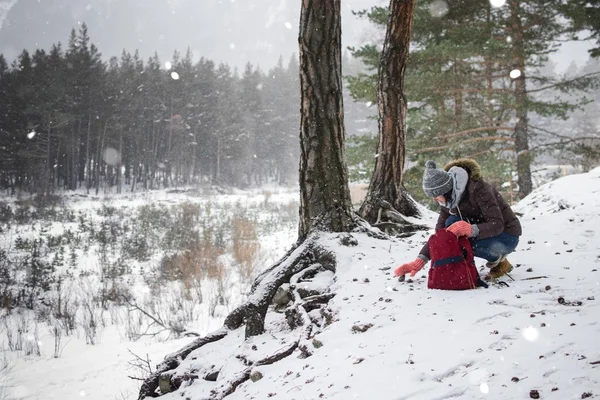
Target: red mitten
{"type": "Point", "coordinates": [410, 268]}
{"type": "Point", "coordinates": [461, 228]}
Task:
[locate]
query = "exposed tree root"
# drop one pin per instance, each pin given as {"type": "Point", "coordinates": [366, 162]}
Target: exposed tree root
{"type": "Point", "coordinates": [392, 222]}
{"type": "Point", "coordinates": [229, 387]}
{"type": "Point", "coordinates": [300, 318]}
{"type": "Point", "coordinates": [173, 360]}
{"type": "Point", "coordinates": [253, 312]}
{"type": "Point", "coordinates": [299, 264]}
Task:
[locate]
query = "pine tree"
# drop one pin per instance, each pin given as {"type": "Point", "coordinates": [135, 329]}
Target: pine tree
{"type": "Point", "coordinates": [86, 78]}
{"type": "Point", "coordinates": [7, 116]}
{"type": "Point", "coordinates": [324, 195]}
{"type": "Point", "coordinates": [585, 14]}
{"type": "Point", "coordinates": [386, 182]}
{"type": "Point", "coordinates": [279, 136]}
{"type": "Point", "coordinates": [458, 80]}
{"type": "Point", "coordinates": [251, 84]}
{"type": "Point", "coordinates": [229, 122]}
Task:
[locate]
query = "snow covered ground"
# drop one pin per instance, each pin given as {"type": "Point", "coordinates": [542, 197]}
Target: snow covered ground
{"type": "Point", "coordinates": [538, 337]}
{"type": "Point", "coordinates": [541, 333]}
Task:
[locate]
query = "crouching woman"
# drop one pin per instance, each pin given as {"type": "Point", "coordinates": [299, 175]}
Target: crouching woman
{"type": "Point", "coordinates": [470, 207]}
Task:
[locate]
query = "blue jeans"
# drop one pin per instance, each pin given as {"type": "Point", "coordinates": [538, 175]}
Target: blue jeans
{"type": "Point", "coordinates": [491, 248]}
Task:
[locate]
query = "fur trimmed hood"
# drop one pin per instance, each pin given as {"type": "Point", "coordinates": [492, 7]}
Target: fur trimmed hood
{"type": "Point", "coordinates": [469, 165]}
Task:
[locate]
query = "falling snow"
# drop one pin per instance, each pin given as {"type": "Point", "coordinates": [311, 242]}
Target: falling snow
{"type": "Point", "coordinates": [438, 8]}
{"type": "Point", "coordinates": [515, 73]}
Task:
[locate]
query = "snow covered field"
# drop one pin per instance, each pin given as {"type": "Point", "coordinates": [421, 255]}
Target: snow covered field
{"type": "Point", "coordinates": [395, 340]}
{"type": "Point", "coordinates": [120, 334]}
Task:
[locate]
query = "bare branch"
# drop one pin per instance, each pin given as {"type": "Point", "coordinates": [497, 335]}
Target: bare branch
{"type": "Point", "coordinates": [478, 129]}
{"type": "Point", "coordinates": [473, 90]}
{"type": "Point", "coordinates": [564, 82]}
{"type": "Point", "coordinates": [481, 139]}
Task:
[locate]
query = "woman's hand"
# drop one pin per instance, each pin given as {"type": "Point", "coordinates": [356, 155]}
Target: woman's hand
{"type": "Point", "coordinates": [461, 228]}
{"type": "Point", "coordinates": [410, 268]}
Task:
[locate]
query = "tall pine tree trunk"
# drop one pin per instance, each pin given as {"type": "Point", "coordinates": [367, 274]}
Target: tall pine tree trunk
{"type": "Point", "coordinates": [99, 160]}
{"type": "Point", "coordinates": [48, 169]}
{"type": "Point", "coordinates": [324, 195]}
{"type": "Point", "coordinates": [88, 159]}
{"type": "Point", "coordinates": [386, 182]}
{"type": "Point", "coordinates": [74, 158]}
{"type": "Point", "coordinates": [524, 157]}
{"type": "Point", "coordinates": [120, 164]}
{"type": "Point", "coordinates": [218, 160]}
{"type": "Point", "coordinates": [57, 171]}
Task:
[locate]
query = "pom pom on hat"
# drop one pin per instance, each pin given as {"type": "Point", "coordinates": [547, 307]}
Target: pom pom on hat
{"type": "Point", "coordinates": [430, 164]}
{"type": "Point", "coordinates": [435, 181]}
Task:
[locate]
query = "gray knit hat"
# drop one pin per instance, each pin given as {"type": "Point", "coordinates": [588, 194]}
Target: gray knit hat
{"type": "Point", "coordinates": [435, 181]}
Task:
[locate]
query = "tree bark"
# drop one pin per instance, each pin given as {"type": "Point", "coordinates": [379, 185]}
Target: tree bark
{"type": "Point", "coordinates": [49, 165]}
{"type": "Point", "coordinates": [99, 161]}
{"type": "Point", "coordinates": [88, 159]}
{"type": "Point", "coordinates": [119, 165]}
{"type": "Point", "coordinates": [524, 157]}
{"type": "Point", "coordinates": [324, 195]}
{"type": "Point", "coordinates": [386, 182]}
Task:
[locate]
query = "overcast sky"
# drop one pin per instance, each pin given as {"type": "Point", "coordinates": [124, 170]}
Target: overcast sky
{"type": "Point", "coordinates": [232, 31]}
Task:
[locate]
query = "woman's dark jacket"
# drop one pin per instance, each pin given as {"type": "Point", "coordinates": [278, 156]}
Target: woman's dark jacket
{"type": "Point", "coordinates": [480, 204]}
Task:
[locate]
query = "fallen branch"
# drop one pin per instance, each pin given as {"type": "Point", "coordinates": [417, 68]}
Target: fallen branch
{"type": "Point", "coordinates": [535, 277]}
{"type": "Point", "coordinates": [156, 320]}
{"type": "Point", "coordinates": [141, 363]}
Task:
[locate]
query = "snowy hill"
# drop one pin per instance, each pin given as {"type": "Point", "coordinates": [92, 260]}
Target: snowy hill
{"type": "Point", "coordinates": [538, 338]}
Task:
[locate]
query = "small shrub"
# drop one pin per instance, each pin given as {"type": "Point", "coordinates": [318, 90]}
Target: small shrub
{"type": "Point", "coordinates": [245, 247]}
{"type": "Point", "coordinates": [7, 281]}
{"type": "Point", "coordinates": [267, 194]}
{"type": "Point", "coordinates": [23, 214]}
{"type": "Point", "coordinates": [151, 221]}
{"type": "Point", "coordinates": [6, 213]}
{"type": "Point", "coordinates": [117, 269]}
{"type": "Point", "coordinates": [32, 344]}
{"type": "Point", "coordinates": [183, 233]}
{"type": "Point", "coordinates": [191, 265]}
{"type": "Point", "coordinates": [22, 244]}
{"type": "Point", "coordinates": [54, 241]}
{"type": "Point", "coordinates": [114, 292]}
{"type": "Point", "coordinates": [107, 211]}
{"type": "Point", "coordinates": [46, 201]}
{"type": "Point", "coordinates": [136, 247]}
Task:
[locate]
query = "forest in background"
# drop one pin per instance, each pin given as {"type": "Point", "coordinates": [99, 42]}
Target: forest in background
{"type": "Point", "coordinates": [72, 120]}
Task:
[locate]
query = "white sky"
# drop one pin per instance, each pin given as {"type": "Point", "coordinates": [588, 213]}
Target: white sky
{"type": "Point", "coordinates": [232, 31]}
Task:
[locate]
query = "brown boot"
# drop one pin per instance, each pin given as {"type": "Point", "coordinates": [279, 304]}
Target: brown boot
{"type": "Point", "coordinates": [500, 269]}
